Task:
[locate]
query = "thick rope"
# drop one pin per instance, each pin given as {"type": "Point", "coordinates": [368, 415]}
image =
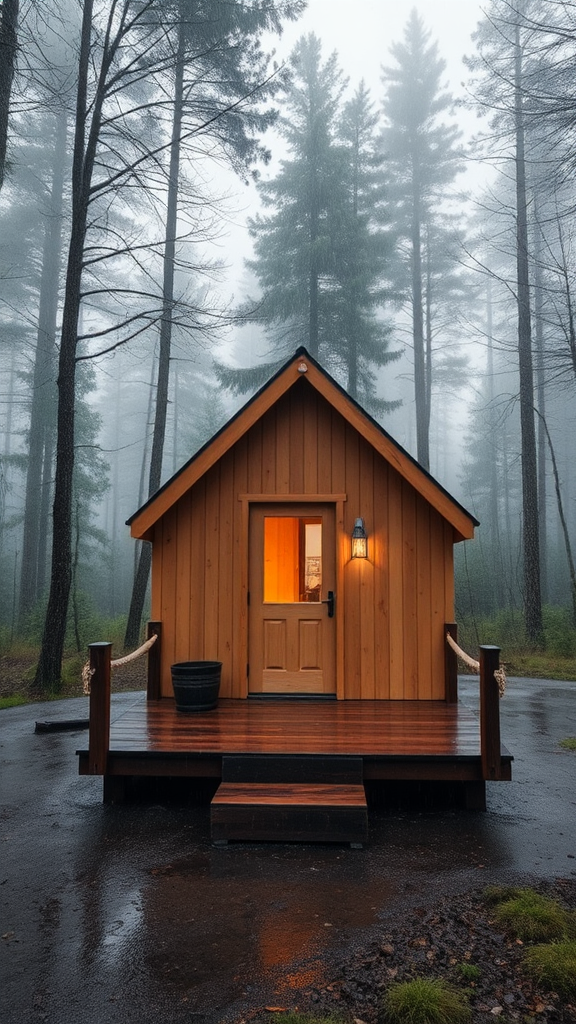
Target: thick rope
{"type": "Point", "coordinates": [499, 675]}
{"type": "Point", "coordinates": [135, 654]}
{"type": "Point", "coordinates": [88, 672]}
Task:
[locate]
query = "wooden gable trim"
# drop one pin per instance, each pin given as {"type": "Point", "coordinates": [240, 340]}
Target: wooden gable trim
{"type": "Point", "coordinates": [457, 516]}
{"type": "Point", "coordinates": [142, 522]}
{"type": "Point", "coordinates": [144, 519]}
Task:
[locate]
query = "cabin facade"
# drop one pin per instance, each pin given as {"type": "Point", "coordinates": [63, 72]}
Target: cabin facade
{"type": "Point", "coordinates": [252, 536]}
{"type": "Point", "coordinates": [335, 665]}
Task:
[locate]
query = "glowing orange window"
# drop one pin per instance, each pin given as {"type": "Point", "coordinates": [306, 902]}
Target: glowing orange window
{"type": "Point", "coordinates": [292, 559]}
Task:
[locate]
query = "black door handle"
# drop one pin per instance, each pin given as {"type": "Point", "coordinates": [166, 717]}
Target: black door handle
{"type": "Point", "coordinates": [330, 603]}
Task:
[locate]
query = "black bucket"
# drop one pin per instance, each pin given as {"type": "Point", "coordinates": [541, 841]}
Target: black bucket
{"type": "Point", "coordinates": [196, 685]}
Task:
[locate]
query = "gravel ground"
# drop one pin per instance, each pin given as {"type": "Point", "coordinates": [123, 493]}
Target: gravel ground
{"type": "Point", "coordinates": [434, 942]}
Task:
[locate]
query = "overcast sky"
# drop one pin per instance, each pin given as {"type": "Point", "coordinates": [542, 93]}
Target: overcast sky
{"type": "Point", "coordinates": [361, 31]}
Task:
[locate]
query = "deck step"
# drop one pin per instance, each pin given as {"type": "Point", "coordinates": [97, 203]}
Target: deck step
{"type": "Point", "coordinates": [304, 768]}
{"type": "Point", "coordinates": [289, 812]}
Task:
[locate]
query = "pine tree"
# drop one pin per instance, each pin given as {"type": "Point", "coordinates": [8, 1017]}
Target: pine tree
{"type": "Point", "coordinates": [8, 50]}
{"type": "Point", "coordinates": [503, 66]}
{"type": "Point", "coordinates": [292, 243]}
{"type": "Point", "coordinates": [322, 251]}
{"type": "Point", "coordinates": [214, 83]}
{"type": "Point", "coordinates": [421, 149]}
{"type": "Point", "coordinates": [363, 247]}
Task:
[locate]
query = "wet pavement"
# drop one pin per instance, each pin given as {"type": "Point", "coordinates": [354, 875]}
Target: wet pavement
{"type": "Point", "coordinates": [128, 914]}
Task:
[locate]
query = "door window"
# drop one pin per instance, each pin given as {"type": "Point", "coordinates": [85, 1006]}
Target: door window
{"type": "Point", "coordinates": [292, 559]}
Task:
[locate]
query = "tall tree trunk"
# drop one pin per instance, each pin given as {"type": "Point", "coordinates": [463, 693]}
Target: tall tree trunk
{"type": "Point", "coordinates": [7, 446]}
{"type": "Point", "coordinates": [570, 328]}
{"type": "Point", "coordinates": [422, 430]}
{"type": "Point", "coordinates": [351, 313]}
{"type": "Point", "coordinates": [144, 463]}
{"type": "Point", "coordinates": [155, 476]}
{"type": "Point", "coordinates": [114, 507]}
{"type": "Point", "coordinates": [509, 538]}
{"type": "Point", "coordinates": [428, 340]}
{"type": "Point", "coordinates": [175, 417]}
{"type": "Point", "coordinates": [45, 500]}
{"type": "Point", "coordinates": [8, 49]}
{"type": "Point", "coordinates": [541, 398]}
{"type": "Point", "coordinates": [531, 551]}
{"type": "Point", "coordinates": [493, 512]}
{"type": "Point", "coordinates": [313, 330]}
{"type": "Point", "coordinates": [11, 392]}
{"type": "Point", "coordinates": [43, 389]}
{"type": "Point", "coordinates": [48, 672]}
{"type": "Point", "coordinates": [562, 517]}
{"type": "Point", "coordinates": [75, 564]}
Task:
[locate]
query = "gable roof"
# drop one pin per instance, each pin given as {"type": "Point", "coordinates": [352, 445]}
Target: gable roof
{"type": "Point", "coordinates": [300, 364]}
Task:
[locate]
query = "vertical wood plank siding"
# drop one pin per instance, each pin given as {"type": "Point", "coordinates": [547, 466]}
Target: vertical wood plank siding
{"type": "Point", "coordinates": [394, 605]}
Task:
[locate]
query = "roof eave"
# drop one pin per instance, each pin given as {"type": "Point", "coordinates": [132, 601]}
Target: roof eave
{"type": "Point", "coordinates": [142, 522]}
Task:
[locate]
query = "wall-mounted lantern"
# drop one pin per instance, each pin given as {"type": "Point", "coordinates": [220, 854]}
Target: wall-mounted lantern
{"type": "Point", "coordinates": [359, 540]}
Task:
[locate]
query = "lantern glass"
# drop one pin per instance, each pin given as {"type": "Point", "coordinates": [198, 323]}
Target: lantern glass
{"type": "Point", "coordinates": [359, 540]}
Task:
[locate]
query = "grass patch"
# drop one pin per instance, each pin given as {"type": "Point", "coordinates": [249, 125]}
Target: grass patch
{"type": "Point", "coordinates": [538, 665]}
{"type": "Point", "coordinates": [425, 1001]}
{"type": "Point", "coordinates": [469, 972]}
{"type": "Point", "coordinates": [568, 744]}
{"type": "Point", "coordinates": [13, 702]}
{"type": "Point", "coordinates": [499, 893]}
{"type": "Point", "coordinates": [506, 629]}
{"type": "Point", "coordinates": [532, 917]}
{"type": "Point", "coordinates": [553, 966]}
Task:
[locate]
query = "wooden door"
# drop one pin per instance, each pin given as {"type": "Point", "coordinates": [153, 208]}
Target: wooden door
{"type": "Point", "coordinates": [292, 634]}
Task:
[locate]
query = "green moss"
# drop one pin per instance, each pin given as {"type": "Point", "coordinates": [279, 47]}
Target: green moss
{"type": "Point", "coordinates": [499, 893]}
{"type": "Point", "coordinates": [469, 972]}
{"type": "Point", "coordinates": [532, 917]}
{"type": "Point", "coordinates": [425, 1001]}
{"type": "Point", "coordinates": [12, 702]}
{"type": "Point", "coordinates": [569, 743]}
{"type": "Point", "coordinates": [553, 966]}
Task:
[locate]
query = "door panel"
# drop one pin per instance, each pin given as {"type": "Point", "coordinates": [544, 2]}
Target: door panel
{"type": "Point", "coordinates": [310, 644]}
{"type": "Point", "coordinates": [274, 643]}
{"type": "Point", "coordinates": [292, 568]}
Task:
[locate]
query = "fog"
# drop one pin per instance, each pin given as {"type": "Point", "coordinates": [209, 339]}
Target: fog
{"type": "Point", "coordinates": [404, 273]}
{"type": "Point", "coordinates": [362, 43]}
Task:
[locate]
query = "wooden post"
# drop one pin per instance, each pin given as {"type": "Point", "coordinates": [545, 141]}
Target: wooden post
{"type": "Point", "coordinates": [99, 736]}
{"type": "Point", "coordinates": [489, 712]}
{"type": "Point", "coordinates": [451, 665]}
{"type": "Point", "coordinates": [154, 688]}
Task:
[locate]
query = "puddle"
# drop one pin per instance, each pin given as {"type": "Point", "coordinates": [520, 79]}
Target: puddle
{"type": "Point", "coordinates": [220, 927]}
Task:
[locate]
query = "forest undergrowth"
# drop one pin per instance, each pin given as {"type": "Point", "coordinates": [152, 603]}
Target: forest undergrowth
{"type": "Point", "coordinates": [19, 656]}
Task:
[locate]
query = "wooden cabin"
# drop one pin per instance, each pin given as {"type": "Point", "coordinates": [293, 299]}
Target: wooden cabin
{"type": "Point", "coordinates": [254, 565]}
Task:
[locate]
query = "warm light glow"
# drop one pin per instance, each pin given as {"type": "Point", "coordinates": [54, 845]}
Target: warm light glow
{"type": "Point", "coordinates": [292, 559]}
{"type": "Point", "coordinates": [359, 540]}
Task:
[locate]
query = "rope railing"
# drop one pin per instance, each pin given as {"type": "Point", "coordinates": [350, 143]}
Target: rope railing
{"type": "Point", "coordinates": [499, 674]}
{"type": "Point", "coordinates": [87, 672]}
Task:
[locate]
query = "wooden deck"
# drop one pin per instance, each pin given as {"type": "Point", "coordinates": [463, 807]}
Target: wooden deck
{"type": "Point", "coordinates": [296, 769]}
{"type": "Point", "coordinates": [395, 739]}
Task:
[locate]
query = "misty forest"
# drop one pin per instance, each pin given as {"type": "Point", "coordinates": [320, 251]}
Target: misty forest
{"type": "Point", "coordinates": [420, 243]}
